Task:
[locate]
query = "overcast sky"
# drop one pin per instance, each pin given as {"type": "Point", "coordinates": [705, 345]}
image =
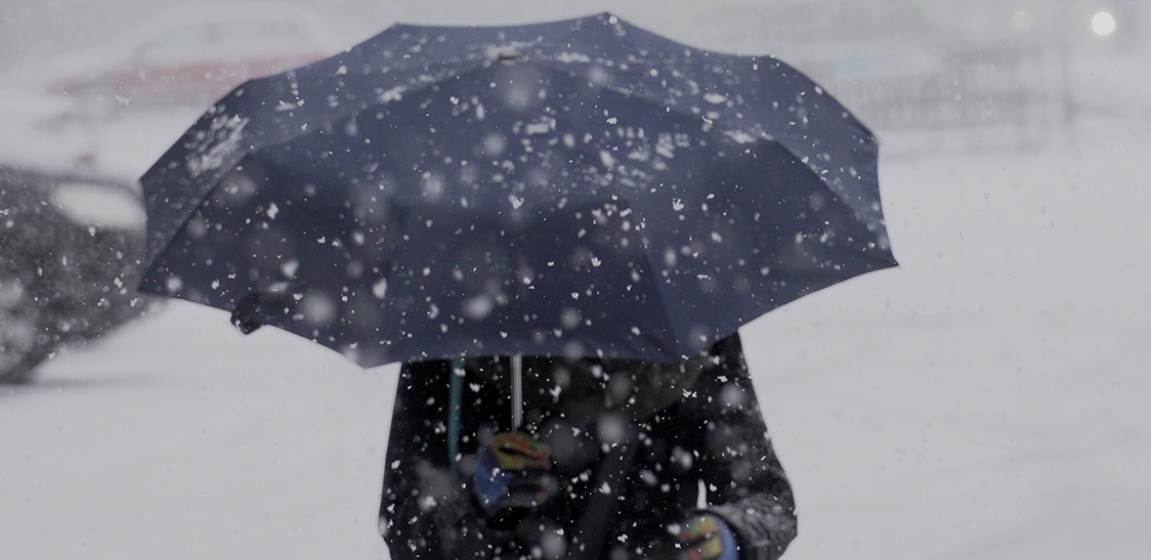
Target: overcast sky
{"type": "Point", "coordinates": [36, 28]}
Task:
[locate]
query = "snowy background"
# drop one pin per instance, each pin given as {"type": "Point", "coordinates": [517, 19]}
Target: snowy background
{"type": "Point", "coordinates": [987, 399]}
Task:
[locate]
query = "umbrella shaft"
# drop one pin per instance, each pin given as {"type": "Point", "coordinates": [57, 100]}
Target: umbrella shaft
{"type": "Point", "coordinates": [517, 391]}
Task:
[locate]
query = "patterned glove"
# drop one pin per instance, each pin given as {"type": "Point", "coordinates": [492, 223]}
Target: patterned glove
{"type": "Point", "coordinates": [512, 474]}
{"type": "Point", "coordinates": [703, 537]}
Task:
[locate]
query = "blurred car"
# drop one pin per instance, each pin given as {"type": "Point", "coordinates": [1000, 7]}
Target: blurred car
{"type": "Point", "coordinates": [189, 57]}
{"type": "Point", "coordinates": [42, 132]}
{"type": "Point", "coordinates": [70, 250]}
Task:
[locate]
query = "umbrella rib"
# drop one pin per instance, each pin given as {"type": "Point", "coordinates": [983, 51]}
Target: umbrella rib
{"type": "Point", "coordinates": [807, 162]}
{"type": "Point", "coordinates": [663, 298]}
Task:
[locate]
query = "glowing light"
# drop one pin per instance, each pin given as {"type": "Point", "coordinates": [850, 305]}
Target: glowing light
{"type": "Point", "coordinates": [1103, 23]}
{"type": "Point", "coordinates": [1021, 22]}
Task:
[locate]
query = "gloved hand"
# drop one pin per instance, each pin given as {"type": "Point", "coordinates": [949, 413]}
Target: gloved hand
{"type": "Point", "coordinates": [512, 473]}
{"type": "Point", "coordinates": [702, 537]}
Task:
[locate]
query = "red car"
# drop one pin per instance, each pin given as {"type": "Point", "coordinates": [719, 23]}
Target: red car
{"type": "Point", "coordinates": [191, 57]}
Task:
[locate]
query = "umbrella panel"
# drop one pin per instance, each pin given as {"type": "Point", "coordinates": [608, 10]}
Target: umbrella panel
{"type": "Point", "coordinates": [522, 210]}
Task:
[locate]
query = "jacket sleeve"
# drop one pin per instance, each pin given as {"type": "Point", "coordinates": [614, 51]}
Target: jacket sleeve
{"type": "Point", "coordinates": [746, 485]}
{"type": "Point", "coordinates": [427, 511]}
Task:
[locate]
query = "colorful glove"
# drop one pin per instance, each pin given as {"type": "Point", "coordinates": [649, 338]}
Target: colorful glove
{"type": "Point", "coordinates": [703, 537]}
{"type": "Point", "coordinates": [512, 474]}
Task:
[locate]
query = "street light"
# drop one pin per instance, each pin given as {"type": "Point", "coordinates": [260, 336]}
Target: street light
{"type": "Point", "coordinates": [1103, 23]}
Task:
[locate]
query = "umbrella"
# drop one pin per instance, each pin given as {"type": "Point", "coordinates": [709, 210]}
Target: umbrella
{"type": "Point", "coordinates": [576, 188]}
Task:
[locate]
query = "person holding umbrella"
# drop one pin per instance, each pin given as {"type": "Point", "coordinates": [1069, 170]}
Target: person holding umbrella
{"type": "Point", "coordinates": [585, 199]}
{"type": "Point", "coordinates": [614, 459]}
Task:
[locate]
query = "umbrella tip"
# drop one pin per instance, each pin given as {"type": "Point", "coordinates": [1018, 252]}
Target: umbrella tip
{"type": "Point", "coordinates": [608, 17]}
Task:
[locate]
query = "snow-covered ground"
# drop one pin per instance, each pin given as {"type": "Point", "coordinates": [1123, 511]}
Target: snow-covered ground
{"type": "Point", "coordinates": [988, 399]}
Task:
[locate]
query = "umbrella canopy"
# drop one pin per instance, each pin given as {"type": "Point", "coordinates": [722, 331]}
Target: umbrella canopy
{"type": "Point", "coordinates": [575, 188]}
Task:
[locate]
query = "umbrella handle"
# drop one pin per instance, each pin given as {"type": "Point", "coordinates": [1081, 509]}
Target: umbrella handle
{"type": "Point", "coordinates": [517, 391]}
{"type": "Point", "coordinates": [455, 405]}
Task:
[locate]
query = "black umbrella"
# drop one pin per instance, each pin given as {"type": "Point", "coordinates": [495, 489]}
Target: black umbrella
{"type": "Point", "coordinates": [577, 188]}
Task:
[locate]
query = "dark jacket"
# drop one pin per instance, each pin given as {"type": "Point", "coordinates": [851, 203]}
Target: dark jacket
{"type": "Point", "coordinates": [711, 436]}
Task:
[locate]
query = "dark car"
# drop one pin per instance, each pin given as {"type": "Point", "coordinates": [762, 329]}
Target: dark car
{"type": "Point", "coordinates": [70, 249]}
